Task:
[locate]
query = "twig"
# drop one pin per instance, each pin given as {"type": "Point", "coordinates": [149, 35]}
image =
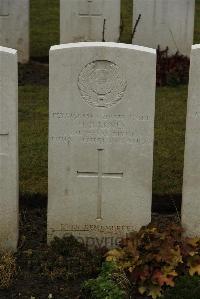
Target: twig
{"type": "Point", "coordinates": [173, 38]}
{"type": "Point", "coordinates": [103, 33]}
{"type": "Point", "coordinates": [176, 209]}
{"type": "Point", "coordinates": [121, 28]}
{"type": "Point", "coordinates": [135, 27]}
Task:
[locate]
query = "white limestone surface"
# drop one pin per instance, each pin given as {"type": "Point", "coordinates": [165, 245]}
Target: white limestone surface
{"type": "Point", "coordinates": [14, 27]}
{"type": "Point", "coordinates": [191, 181]}
{"type": "Point", "coordinates": [168, 23]}
{"type": "Point", "coordinates": [101, 132]}
{"type": "Point", "coordinates": [83, 20]}
{"type": "Point", "coordinates": [8, 149]}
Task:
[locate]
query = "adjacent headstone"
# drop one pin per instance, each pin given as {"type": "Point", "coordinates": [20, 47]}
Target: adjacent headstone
{"type": "Point", "coordinates": [8, 149]}
{"type": "Point", "coordinates": [89, 20]}
{"type": "Point", "coordinates": [191, 181]}
{"type": "Point", "coordinates": [14, 26]}
{"type": "Point", "coordinates": [167, 23]}
{"type": "Point", "coordinates": [101, 131]}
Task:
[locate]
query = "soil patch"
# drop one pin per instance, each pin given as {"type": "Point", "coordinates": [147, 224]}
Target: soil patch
{"type": "Point", "coordinates": [33, 253]}
{"type": "Point", "coordinates": [34, 73]}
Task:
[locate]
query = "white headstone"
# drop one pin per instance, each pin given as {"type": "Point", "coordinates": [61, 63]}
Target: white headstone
{"type": "Point", "coordinates": [101, 128]}
{"type": "Point", "coordinates": [168, 23]}
{"type": "Point", "coordinates": [191, 181]}
{"type": "Point", "coordinates": [14, 26]}
{"type": "Point", "coordinates": [8, 149]}
{"type": "Point", "coordinates": [83, 20]}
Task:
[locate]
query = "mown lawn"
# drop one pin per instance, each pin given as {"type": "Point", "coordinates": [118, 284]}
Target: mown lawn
{"type": "Point", "coordinates": [33, 110]}
{"type": "Point", "coordinates": [33, 138]}
{"type": "Point", "coordinates": [197, 23]}
{"type": "Point", "coordinates": [44, 26]}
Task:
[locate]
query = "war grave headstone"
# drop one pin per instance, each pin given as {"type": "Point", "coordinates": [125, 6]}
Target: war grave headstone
{"type": "Point", "coordinates": [191, 185]}
{"type": "Point", "coordinates": [14, 26]}
{"type": "Point", "coordinates": [89, 20]}
{"type": "Point", "coordinates": [167, 23]}
{"type": "Point", "coordinates": [101, 131]}
{"type": "Point", "coordinates": [8, 149]}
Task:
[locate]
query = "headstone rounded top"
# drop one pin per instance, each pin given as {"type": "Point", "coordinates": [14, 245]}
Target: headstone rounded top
{"type": "Point", "coordinates": [103, 45]}
{"type": "Point", "coordinates": [196, 47]}
{"type": "Point", "coordinates": [8, 50]}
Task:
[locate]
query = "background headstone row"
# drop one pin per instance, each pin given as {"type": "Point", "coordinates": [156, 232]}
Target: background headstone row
{"type": "Point", "coordinates": [167, 23]}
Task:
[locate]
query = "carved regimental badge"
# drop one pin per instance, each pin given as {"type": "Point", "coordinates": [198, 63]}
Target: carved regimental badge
{"type": "Point", "coordinates": [102, 84]}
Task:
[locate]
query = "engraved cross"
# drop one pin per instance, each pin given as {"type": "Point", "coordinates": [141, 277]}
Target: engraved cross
{"type": "Point", "coordinates": [88, 11]}
{"type": "Point", "coordinates": [100, 175]}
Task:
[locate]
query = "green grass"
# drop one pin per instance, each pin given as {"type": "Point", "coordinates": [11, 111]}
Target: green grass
{"type": "Point", "coordinates": [44, 26]}
{"type": "Point", "coordinates": [169, 139]}
{"type": "Point", "coordinates": [33, 111]}
{"type": "Point", "coordinates": [186, 287]}
{"type": "Point", "coordinates": [126, 16]}
{"type": "Point", "coordinates": [33, 139]}
{"type": "Point", "coordinates": [197, 23]}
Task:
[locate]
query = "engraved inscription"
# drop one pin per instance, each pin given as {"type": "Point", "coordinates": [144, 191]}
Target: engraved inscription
{"type": "Point", "coordinates": [105, 235]}
{"type": "Point", "coordinates": [90, 9]}
{"type": "Point", "coordinates": [88, 128]}
{"type": "Point", "coordinates": [196, 115]}
{"type": "Point", "coordinates": [111, 237]}
{"type": "Point", "coordinates": [102, 84]}
{"type": "Point", "coordinates": [4, 8]}
{"type": "Point", "coordinates": [100, 174]}
{"type": "Point", "coordinates": [116, 229]}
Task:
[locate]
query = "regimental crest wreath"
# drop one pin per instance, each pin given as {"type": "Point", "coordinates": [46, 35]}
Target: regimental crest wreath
{"type": "Point", "coordinates": [102, 84]}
